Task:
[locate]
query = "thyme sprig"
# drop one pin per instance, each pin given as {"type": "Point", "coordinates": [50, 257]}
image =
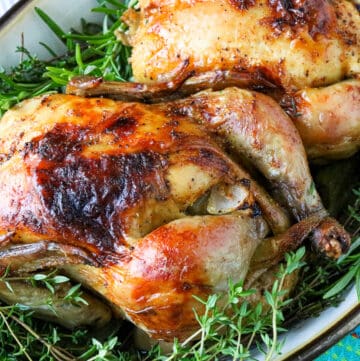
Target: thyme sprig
{"type": "Point", "coordinates": [50, 281]}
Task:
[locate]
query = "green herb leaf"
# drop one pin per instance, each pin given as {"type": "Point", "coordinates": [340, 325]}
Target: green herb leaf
{"type": "Point", "coordinates": [51, 24]}
{"type": "Point", "coordinates": [341, 284]}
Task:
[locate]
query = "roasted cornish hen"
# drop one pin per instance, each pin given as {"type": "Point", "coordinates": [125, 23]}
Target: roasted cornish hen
{"type": "Point", "coordinates": [286, 48]}
{"type": "Point", "coordinates": [148, 205]}
{"type": "Point", "coordinates": [295, 43]}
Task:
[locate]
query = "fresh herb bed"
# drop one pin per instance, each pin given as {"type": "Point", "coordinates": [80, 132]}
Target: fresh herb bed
{"type": "Point", "coordinates": [96, 51]}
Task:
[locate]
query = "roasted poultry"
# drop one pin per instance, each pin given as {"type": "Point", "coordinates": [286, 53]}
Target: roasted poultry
{"type": "Point", "coordinates": [286, 48]}
{"type": "Point", "coordinates": [149, 204]}
{"type": "Point", "coordinates": [295, 44]}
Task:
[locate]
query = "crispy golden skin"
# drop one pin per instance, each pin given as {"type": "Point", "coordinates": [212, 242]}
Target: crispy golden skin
{"type": "Point", "coordinates": [63, 164]}
{"type": "Point", "coordinates": [327, 118]}
{"type": "Point", "coordinates": [295, 44]}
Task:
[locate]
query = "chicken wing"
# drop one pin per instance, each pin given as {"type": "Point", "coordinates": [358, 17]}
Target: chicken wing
{"type": "Point", "coordinates": [257, 128]}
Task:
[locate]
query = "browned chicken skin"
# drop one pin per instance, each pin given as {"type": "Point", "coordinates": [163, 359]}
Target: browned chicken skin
{"type": "Point", "coordinates": [294, 45]}
{"type": "Point", "coordinates": [328, 118]}
{"type": "Point", "coordinates": [109, 192]}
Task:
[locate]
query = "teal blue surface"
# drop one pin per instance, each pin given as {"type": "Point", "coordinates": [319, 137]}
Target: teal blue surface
{"type": "Point", "coordinates": [348, 349]}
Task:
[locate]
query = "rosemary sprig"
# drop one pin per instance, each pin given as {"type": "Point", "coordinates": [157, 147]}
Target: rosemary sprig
{"type": "Point", "coordinates": [94, 50]}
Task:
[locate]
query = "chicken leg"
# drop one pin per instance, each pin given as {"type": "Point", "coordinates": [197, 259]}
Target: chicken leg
{"type": "Point", "coordinates": [258, 129]}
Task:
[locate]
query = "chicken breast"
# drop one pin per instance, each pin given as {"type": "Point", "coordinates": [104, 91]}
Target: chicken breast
{"type": "Point", "coordinates": [295, 44]}
{"type": "Point", "coordinates": [100, 173]}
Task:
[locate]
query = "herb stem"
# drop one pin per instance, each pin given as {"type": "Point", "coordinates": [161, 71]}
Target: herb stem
{"type": "Point", "coordinates": [22, 348]}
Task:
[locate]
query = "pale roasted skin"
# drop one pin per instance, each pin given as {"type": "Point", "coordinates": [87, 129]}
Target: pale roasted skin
{"type": "Point", "coordinates": [144, 204]}
{"type": "Point", "coordinates": [296, 45]}
{"type": "Point", "coordinates": [328, 119]}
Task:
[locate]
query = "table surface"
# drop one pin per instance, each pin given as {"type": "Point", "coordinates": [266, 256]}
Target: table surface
{"type": "Point", "coordinates": [348, 349]}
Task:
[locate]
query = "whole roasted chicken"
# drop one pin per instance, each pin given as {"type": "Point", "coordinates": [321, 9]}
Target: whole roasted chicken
{"type": "Point", "coordinates": [149, 204]}
{"type": "Point", "coordinates": [303, 53]}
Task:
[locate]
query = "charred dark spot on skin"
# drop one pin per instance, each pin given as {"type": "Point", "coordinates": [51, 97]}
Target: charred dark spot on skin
{"type": "Point", "coordinates": [68, 136]}
{"type": "Point", "coordinates": [179, 110]}
{"type": "Point", "coordinates": [288, 103]}
{"type": "Point", "coordinates": [85, 197]}
{"type": "Point", "coordinates": [317, 15]}
{"type": "Point", "coordinates": [186, 286]}
{"type": "Point", "coordinates": [210, 160]}
{"type": "Point", "coordinates": [123, 126]}
{"type": "Point", "coordinates": [245, 182]}
{"type": "Point", "coordinates": [4, 157]}
{"type": "Point", "coordinates": [44, 100]}
{"type": "Point", "coordinates": [253, 205]}
{"type": "Point", "coordinates": [175, 135]}
{"type": "Point", "coordinates": [242, 4]}
{"type": "Point", "coordinates": [256, 210]}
